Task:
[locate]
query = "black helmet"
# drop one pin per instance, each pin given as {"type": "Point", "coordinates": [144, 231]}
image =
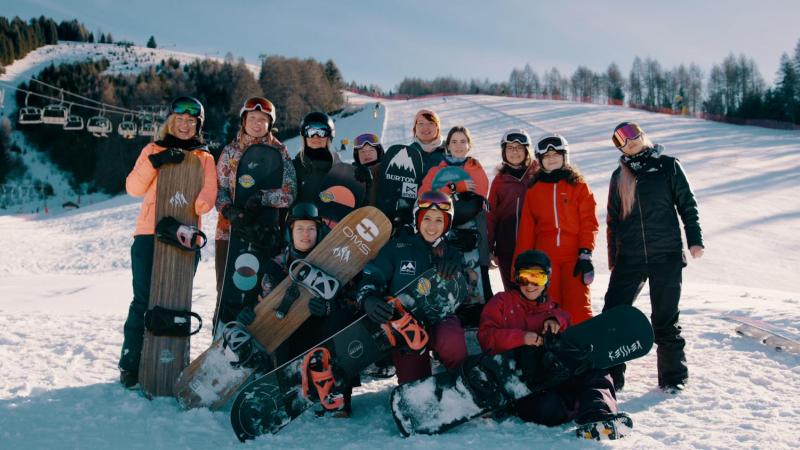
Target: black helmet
{"type": "Point", "coordinates": [191, 106]}
{"type": "Point", "coordinates": [534, 258]}
{"type": "Point", "coordinates": [303, 211]}
{"type": "Point", "coordinates": [317, 119]}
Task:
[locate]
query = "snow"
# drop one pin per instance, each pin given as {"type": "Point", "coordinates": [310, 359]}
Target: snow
{"type": "Point", "coordinates": [65, 289]}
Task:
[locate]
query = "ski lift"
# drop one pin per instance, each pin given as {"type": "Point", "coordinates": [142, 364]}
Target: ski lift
{"type": "Point", "coordinates": [148, 128]}
{"type": "Point", "coordinates": [2, 99]}
{"type": "Point", "coordinates": [127, 128]}
{"type": "Point", "coordinates": [74, 122]}
{"type": "Point", "coordinates": [99, 125]}
{"type": "Point", "coordinates": [29, 115]}
{"type": "Point", "coordinates": [55, 113]}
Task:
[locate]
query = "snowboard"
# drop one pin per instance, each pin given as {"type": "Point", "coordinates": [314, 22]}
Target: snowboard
{"type": "Point", "coordinates": [340, 193]}
{"type": "Point", "coordinates": [465, 224]}
{"type": "Point", "coordinates": [767, 333]}
{"type": "Point", "coordinates": [488, 383]}
{"type": "Point", "coordinates": [163, 357]}
{"type": "Point", "coordinates": [212, 378]}
{"type": "Point", "coordinates": [260, 168]}
{"type": "Point", "coordinates": [270, 402]}
{"type": "Point", "coordinates": [399, 177]}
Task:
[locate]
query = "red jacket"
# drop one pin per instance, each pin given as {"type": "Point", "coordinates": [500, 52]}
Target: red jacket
{"type": "Point", "coordinates": [509, 315]}
{"type": "Point", "coordinates": [506, 197]}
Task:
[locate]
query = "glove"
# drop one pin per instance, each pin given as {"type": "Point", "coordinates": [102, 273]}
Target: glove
{"type": "Point", "coordinates": [235, 216]}
{"type": "Point", "coordinates": [378, 310]}
{"type": "Point", "coordinates": [246, 316]}
{"type": "Point", "coordinates": [168, 156]}
{"type": "Point", "coordinates": [363, 174]}
{"type": "Point", "coordinates": [320, 307]}
{"type": "Point", "coordinates": [450, 263]}
{"type": "Point", "coordinates": [253, 205]}
{"type": "Point", "coordinates": [403, 213]}
{"type": "Point", "coordinates": [584, 266]}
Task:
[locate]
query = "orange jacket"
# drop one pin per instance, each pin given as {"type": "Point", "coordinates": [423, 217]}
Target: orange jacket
{"type": "Point", "coordinates": [473, 169]}
{"type": "Point", "coordinates": [557, 215]}
{"type": "Point", "coordinates": [142, 182]}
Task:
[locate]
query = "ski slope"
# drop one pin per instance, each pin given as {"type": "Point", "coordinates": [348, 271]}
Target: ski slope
{"type": "Point", "coordinates": [65, 290]}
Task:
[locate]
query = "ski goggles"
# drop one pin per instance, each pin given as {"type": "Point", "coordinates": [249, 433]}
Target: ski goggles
{"type": "Point", "coordinates": [536, 277]}
{"type": "Point", "coordinates": [366, 138]}
{"type": "Point", "coordinates": [428, 204]}
{"type": "Point", "coordinates": [187, 107]}
{"type": "Point", "coordinates": [258, 103]}
{"type": "Point", "coordinates": [551, 143]}
{"type": "Point", "coordinates": [515, 136]}
{"type": "Point", "coordinates": [316, 130]}
{"type": "Point", "coordinates": [624, 133]}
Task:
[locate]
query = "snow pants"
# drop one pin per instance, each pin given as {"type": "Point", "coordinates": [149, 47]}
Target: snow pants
{"type": "Point", "coordinates": [567, 289]}
{"type": "Point", "coordinates": [142, 268]}
{"type": "Point", "coordinates": [665, 279]}
{"type": "Point", "coordinates": [586, 398]}
{"type": "Point", "coordinates": [447, 340]}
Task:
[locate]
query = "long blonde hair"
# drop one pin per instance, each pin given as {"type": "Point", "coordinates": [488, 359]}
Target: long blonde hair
{"type": "Point", "coordinates": [626, 183]}
{"type": "Point", "coordinates": [169, 126]}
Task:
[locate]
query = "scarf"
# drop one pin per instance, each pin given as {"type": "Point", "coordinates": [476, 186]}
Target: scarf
{"type": "Point", "coordinates": [644, 161]}
{"type": "Point", "coordinates": [427, 148]}
{"type": "Point", "coordinates": [171, 141]}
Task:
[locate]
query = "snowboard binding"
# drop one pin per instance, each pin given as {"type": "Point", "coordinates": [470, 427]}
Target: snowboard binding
{"type": "Point", "coordinates": [248, 352]}
{"type": "Point", "coordinates": [314, 279]}
{"type": "Point", "coordinates": [610, 429]}
{"type": "Point", "coordinates": [185, 237]}
{"type": "Point", "coordinates": [170, 322]}
{"type": "Point", "coordinates": [317, 370]}
{"type": "Point", "coordinates": [405, 327]}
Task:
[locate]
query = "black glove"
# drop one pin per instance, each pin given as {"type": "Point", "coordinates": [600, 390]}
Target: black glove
{"type": "Point", "coordinates": [404, 213]}
{"type": "Point", "coordinates": [168, 156]}
{"type": "Point", "coordinates": [246, 316]}
{"type": "Point", "coordinates": [584, 266]}
{"type": "Point", "coordinates": [253, 206]}
{"type": "Point", "coordinates": [363, 174]}
{"type": "Point", "coordinates": [320, 307]}
{"type": "Point", "coordinates": [377, 309]}
{"type": "Point", "coordinates": [235, 216]}
{"type": "Point", "coordinates": [450, 262]}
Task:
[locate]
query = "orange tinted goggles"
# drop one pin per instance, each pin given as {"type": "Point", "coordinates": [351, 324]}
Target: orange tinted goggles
{"type": "Point", "coordinates": [536, 277]}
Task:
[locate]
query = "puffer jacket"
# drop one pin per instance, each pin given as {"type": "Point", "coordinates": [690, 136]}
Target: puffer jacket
{"type": "Point", "coordinates": [651, 231]}
{"type": "Point", "coordinates": [509, 315]}
{"type": "Point", "coordinates": [506, 197]}
{"type": "Point", "coordinates": [143, 179]}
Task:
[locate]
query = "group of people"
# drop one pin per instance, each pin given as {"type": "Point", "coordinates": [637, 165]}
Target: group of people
{"type": "Point", "coordinates": [536, 222]}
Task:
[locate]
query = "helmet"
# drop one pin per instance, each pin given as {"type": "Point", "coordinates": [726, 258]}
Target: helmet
{"type": "Point", "coordinates": [303, 211]}
{"type": "Point", "coordinates": [519, 136]}
{"type": "Point", "coordinates": [533, 258]}
{"type": "Point", "coordinates": [191, 106]}
{"type": "Point", "coordinates": [318, 120]}
{"type": "Point", "coordinates": [552, 141]}
{"type": "Point", "coordinates": [258, 104]}
{"type": "Point", "coordinates": [434, 200]}
{"type": "Point", "coordinates": [367, 138]}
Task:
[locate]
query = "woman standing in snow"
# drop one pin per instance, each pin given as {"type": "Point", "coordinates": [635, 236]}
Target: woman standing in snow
{"type": "Point", "coordinates": [558, 217]}
{"type": "Point", "coordinates": [646, 194]}
{"type": "Point", "coordinates": [506, 197]}
{"type": "Point", "coordinates": [367, 156]}
{"type": "Point", "coordinates": [428, 140]}
{"type": "Point", "coordinates": [257, 117]}
{"type": "Point", "coordinates": [180, 134]}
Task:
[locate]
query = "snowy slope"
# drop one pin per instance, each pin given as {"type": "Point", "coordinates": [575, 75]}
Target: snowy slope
{"type": "Point", "coordinates": [65, 288]}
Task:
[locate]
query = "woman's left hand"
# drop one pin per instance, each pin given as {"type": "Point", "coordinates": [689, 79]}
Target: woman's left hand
{"type": "Point", "coordinates": [696, 251]}
{"type": "Point", "coordinates": [551, 325]}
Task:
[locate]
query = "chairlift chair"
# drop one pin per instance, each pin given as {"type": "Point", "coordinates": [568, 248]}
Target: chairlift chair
{"type": "Point", "coordinates": [127, 128]}
{"type": "Point", "coordinates": [55, 114]}
{"type": "Point", "coordinates": [148, 128]}
{"type": "Point", "coordinates": [29, 115]}
{"type": "Point", "coordinates": [99, 126]}
{"type": "Point", "coordinates": [74, 122]}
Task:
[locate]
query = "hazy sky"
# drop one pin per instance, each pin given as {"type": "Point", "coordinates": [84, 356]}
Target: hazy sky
{"type": "Point", "coordinates": [383, 41]}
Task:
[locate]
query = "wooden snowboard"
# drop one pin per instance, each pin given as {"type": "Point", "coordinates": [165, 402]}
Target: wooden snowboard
{"type": "Point", "coordinates": [164, 357]}
{"type": "Point", "coordinates": [210, 380]}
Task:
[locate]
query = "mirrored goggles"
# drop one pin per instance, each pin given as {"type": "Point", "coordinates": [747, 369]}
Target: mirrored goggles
{"type": "Point", "coordinates": [257, 103]}
{"type": "Point", "coordinates": [186, 107]}
{"type": "Point", "coordinates": [536, 277]}
{"type": "Point", "coordinates": [366, 138]}
{"type": "Point", "coordinates": [314, 130]}
{"type": "Point", "coordinates": [550, 143]}
{"type": "Point", "coordinates": [623, 134]}
{"type": "Point", "coordinates": [515, 137]}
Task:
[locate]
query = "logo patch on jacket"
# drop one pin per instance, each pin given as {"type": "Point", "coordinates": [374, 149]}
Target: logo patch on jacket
{"type": "Point", "coordinates": [408, 267]}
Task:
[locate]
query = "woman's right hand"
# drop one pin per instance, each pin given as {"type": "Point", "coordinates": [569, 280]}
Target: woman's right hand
{"type": "Point", "coordinates": [533, 339]}
{"type": "Point", "coordinates": [494, 262]}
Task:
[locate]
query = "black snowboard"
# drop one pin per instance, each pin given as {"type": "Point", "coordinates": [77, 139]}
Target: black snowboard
{"type": "Point", "coordinates": [340, 193]}
{"type": "Point", "coordinates": [399, 177]}
{"type": "Point", "coordinates": [249, 248]}
{"type": "Point", "coordinates": [487, 383]}
{"type": "Point", "coordinates": [272, 401]}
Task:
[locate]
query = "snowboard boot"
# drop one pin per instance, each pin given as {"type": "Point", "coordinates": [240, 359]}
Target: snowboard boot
{"type": "Point", "coordinates": [129, 378]}
{"type": "Point", "coordinates": [381, 369]}
{"type": "Point", "coordinates": [616, 427]}
{"type": "Point", "coordinates": [673, 389]}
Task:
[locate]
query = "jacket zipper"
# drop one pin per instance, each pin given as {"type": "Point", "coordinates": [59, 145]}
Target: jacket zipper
{"type": "Point", "coordinates": [555, 213]}
{"type": "Point", "coordinates": [641, 221]}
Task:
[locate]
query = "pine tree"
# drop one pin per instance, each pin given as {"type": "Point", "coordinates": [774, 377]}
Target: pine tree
{"type": "Point", "coordinates": [151, 43]}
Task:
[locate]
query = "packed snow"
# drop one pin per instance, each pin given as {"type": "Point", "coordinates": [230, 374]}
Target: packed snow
{"type": "Point", "coordinates": [65, 287]}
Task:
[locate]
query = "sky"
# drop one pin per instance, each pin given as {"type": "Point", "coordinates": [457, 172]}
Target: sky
{"type": "Point", "coordinates": [381, 42]}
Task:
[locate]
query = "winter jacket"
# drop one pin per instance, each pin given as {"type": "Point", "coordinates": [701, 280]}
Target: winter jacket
{"type": "Point", "coordinates": [281, 197]}
{"type": "Point", "coordinates": [557, 215]}
{"type": "Point", "coordinates": [509, 315]}
{"type": "Point", "coordinates": [473, 169]}
{"type": "Point", "coordinates": [506, 198]}
{"type": "Point", "coordinates": [429, 159]}
{"type": "Point", "coordinates": [143, 179]}
{"type": "Point", "coordinates": [651, 231]}
{"type": "Point", "coordinates": [310, 173]}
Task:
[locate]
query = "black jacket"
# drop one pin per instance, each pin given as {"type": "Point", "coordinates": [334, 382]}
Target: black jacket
{"type": "Point", "coordinates": [651, 233]}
